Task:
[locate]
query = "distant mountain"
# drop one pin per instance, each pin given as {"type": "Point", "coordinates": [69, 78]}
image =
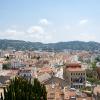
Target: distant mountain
{"type": "Point", "coordinates": [72, 45]}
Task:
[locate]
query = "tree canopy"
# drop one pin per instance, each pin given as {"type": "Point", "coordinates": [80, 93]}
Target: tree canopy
{"type": "Point", "coordinates": [60, 46]}
{"type": "Point", "coordinates": [22, 89]}
{"type": "Point", "coordinates": [6, 66]}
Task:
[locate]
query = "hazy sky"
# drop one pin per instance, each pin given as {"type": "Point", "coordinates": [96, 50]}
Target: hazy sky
{"type": "Point", "coordinates": [50, 20]}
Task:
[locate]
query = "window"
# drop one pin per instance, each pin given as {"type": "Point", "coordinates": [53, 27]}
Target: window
{"type": "Point", "coordinates": [71, 73]}
{"type": "Point", "coordinates": [75, 86]}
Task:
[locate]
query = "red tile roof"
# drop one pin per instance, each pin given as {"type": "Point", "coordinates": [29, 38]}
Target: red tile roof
{"type": "Point", "coordinates": [75, 69]}
{"type": "Point", "coordinates": [73, 65]}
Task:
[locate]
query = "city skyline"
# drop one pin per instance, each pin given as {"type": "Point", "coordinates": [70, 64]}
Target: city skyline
{"type": "Point", "coordinates": [50, 21]}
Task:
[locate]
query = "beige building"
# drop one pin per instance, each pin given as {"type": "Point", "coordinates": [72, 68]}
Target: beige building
{"type": "Point", "coordinates": [75, 75]}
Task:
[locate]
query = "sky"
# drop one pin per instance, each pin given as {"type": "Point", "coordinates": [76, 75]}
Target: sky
{"type": "Point", "coordinates": [50, 21]}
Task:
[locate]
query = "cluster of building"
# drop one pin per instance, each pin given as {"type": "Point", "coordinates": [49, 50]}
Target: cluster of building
{"type": "Point", "coordinates": [63, 73]}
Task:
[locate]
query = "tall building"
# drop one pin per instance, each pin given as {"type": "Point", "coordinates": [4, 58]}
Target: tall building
{"type": "Point", "coordinates": [75, 75]}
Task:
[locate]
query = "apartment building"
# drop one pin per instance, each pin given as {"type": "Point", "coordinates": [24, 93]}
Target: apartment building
{"type": "Point", "coordinates": [75, 75]}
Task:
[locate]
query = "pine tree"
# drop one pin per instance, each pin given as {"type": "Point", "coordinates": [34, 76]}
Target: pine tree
{"type": "Point", "coordinates": [22, 89]}
{"type": "Point", "coordinates": [1, 96]}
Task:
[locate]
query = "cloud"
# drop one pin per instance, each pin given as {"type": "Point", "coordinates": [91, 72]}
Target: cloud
{"type": "Point", "coordinates": [44, 22]}
{"type": "Point", "coordinates": [67, 27]}
{"type": "Point", "coordinates": [84, 30]}
{"type": "Point", "coordinates": [10, 31]}
{"type": "Point", "coordinates": [87, 37]}
{"type": "Point", "coordinates": [78, 27]}
{"type": "Point", "coordinates": [79, 36]}
{"type": "Point", "coordinates": [38, 37]}
{"type": "Point", "coordinates": [38, 33]}
{"type": "Point", "coordinates": [83, 21]}
{"type": "Point", "coordinates": [11, 34]}
{"type": "Point", "coordinates": [35, 29]}
{"type": "Point", "coordinates": [71, 31]}
{"type": "Point", "coordinates": [33, 33]}
{"type": "Point", "coordinates": [13, 26]}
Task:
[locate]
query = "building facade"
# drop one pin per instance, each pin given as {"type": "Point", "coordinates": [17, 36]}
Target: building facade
{"type": "Point", "coordinates": [75, 75]}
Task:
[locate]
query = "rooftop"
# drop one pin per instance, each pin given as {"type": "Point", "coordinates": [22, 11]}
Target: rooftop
{"type": "Point", "coordinates": [96, 90]}
{"type": "Point", "coordinates": [75, 69]}
{"type": "Point", "coordinates": [73, 65]}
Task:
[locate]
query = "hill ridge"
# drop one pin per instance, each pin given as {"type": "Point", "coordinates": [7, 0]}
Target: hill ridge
{"type": "Point", "coordinates": [59, 46]}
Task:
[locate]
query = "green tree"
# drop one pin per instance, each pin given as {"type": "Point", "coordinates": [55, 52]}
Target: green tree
{"type": "Point", "coordinates": [97, 59]}
{"type": "Point", "coordinates": [22, 89]}
{"type": "Point", "coordinates": [93, 65]}
{"type": "Point", "coordinates": [1, 96]}
{"type": "Point", "coordinates": [6, 66]}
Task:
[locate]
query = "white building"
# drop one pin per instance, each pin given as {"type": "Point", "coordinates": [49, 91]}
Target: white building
{"type": "Point", "coordinates": [17, 63]}
{"type": "Point", "coordinates": [1, 66]}
{"type": "Point", "coordinates": [26, 73]}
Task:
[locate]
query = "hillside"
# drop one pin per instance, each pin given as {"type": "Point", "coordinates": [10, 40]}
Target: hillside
{"type": "Point", "coordinates": [73, 45]}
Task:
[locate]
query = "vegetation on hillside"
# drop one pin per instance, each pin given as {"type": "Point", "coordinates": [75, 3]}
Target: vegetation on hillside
{"type": "Point", "coordinates": [73, 45]}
